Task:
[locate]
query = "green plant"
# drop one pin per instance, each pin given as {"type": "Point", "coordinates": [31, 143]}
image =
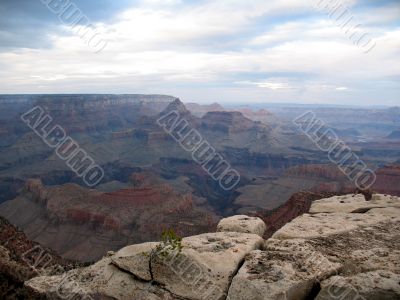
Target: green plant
{"type": "Point", "coordinates": [171, 244]}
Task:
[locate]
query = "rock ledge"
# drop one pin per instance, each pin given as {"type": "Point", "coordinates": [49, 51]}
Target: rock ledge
{"type": "Point", "coordinates": [344, 248]}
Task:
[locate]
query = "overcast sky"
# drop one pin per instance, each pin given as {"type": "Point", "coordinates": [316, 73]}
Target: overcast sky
{"type": "Point", "coordinates": [206, 51]}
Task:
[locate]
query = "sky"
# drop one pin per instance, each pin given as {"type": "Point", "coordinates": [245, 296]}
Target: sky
{"type": "Point", "coordinates": [226, 51]}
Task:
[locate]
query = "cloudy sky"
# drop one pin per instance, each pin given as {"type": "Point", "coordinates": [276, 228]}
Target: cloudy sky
{"type": "Point", "coordinates": [314, 51]}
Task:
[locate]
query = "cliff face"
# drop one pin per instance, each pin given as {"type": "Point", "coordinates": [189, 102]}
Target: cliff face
{"type": "Point", "coordinates": [227, 122]}
{"type": "Point", "coordinates": [344, 248]}
{"type": "Point", "coordinates": [90, 113]}
{"type": "Point", "coordinates": [387, 180]}
{"type": "Point", "coordinates": [22, 259]}
{"type": "Point", "coordinates": [298, 204]}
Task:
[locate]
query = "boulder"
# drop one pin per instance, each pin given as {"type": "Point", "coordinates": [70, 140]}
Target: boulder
{"type": "Point", "coordinates": [206, 265]}
{"type": "Point", "coordinates": [243, 224]}
{"type": "Point", "coordinates": [135, 259]}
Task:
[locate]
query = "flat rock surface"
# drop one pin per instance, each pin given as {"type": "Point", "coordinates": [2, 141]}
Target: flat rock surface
{"type": "Point", "coordinates": [135, 259]}
{"type": "Point", "coordinates": [243, 224]}
{"type": "Point", "coordinates": [325, 224]}
{"type": "Point", "coordinates": [286, 270]}
{"type": "Point", "coordinates": [202, 270]}
{"type": "Point", "coordinates": [373, 285]}
{"type": "Point", "coordinates": [342, 252]}
{"type": "Point", "coordinates": [206, 265]}
{"type": "Point", "coordinates": [354, 203]}
{"type": "Point", "coordinates": [102, 280]}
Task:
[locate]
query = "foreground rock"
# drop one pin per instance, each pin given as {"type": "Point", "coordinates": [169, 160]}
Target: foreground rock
{"type": "Point", "coordinates": [369, 285]}
{"type": "Point", "coordinates": [345, 248]}
{"type": "Point", "coordinates": [334, 255]}
{"type": "Point", "coordinates": [284, 271]}
{"type": "Point", "coordinates": [102, 280]}
{"type": "Point", "coordinates": [135, 259]}
{"type": "Point", "coordinates": [202, 270]}
{"type": "Point", "coordinates": [353, 204]}
{"type": "Point", "coordinates": [243, 224]}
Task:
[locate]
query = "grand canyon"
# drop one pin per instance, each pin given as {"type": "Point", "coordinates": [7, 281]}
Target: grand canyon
{"type": "Point", "coordinates": [199, 150]}
{"type": "Point", "coordinates": [152, 184]}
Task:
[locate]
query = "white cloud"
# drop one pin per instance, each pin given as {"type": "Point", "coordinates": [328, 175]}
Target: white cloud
{"type": "Point", "coordinates": [160, 47]}
{"type": "Point", "coordinates": [342, 88]}
{"type": "Point", "coordinates": [271, 84]}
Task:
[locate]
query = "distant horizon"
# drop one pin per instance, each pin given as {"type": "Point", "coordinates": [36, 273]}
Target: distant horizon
{"type": "Point", "coordinates": [226, 104]}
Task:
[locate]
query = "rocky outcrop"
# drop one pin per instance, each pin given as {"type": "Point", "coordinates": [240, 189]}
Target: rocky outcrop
{"type": "Point", "coordinates": [344, 248]}
{"type": "Point", "coordinates": [227, 122]}
{"type": "Point", "coordinates": [354, 204]}
{"type": "Point", "coordinates": [103, 280]}
{"type": "Point", "coordinates": [203, 269]}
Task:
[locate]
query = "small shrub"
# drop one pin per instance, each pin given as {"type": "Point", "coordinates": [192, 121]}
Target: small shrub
{"type": "Point", "coordinates": [170, 242]}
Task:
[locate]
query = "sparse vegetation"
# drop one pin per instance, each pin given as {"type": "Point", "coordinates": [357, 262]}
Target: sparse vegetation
{"type": "Point", "coordinates": [170, 245]}
{"type": "Point", "coordinates": [170, 242]}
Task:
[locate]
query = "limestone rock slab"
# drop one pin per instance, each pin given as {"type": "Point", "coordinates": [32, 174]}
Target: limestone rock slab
{"type": "Point", "coordinates": [325, 224]}
{"type": "Point", "coordinates": [286, 270]}
{"type": "Point", "coordinates": [135, 259]}
{"type": "Point", "coordinates": [102, 280]}
{"type": "Point", "coordinates": [353, 203]}
{"type": "Point", "coordinates": [205, 266]}
{"type": "Point", "coordinates": [243, 224]}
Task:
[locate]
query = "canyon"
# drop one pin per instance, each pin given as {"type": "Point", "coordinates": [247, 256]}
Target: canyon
{"type": "Point", "coordinates": [151, 184]}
